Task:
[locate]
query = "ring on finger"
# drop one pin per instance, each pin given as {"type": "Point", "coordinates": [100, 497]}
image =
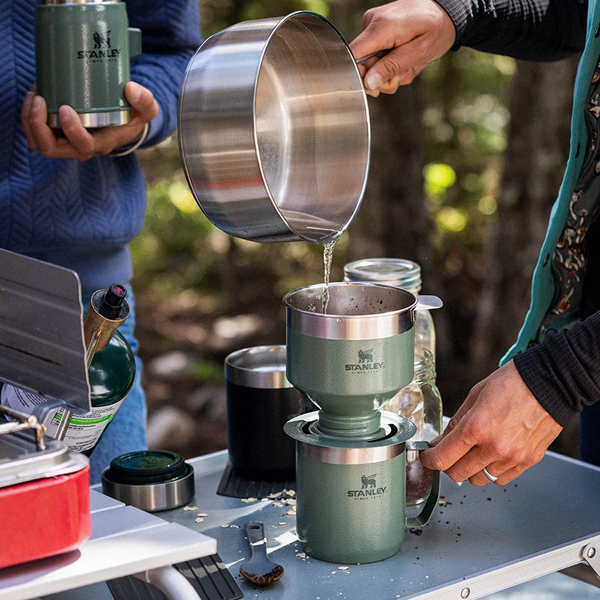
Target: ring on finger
{"type": "Point", "coordinates": [491, 477]}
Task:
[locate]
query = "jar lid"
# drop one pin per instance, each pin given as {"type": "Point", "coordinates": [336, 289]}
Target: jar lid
{"type": "Point", "coordinates": [396, 272]}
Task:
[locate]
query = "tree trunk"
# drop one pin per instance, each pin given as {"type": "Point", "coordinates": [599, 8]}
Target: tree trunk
{"type": "Point", "coordinates": [538, 146]}
{"type": "Point", "coordinates": [393, 220]}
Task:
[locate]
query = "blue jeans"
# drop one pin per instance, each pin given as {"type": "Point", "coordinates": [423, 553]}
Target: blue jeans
{"type": "Point", "coordinates": [127, 431]}
{"type": "Point", "coordinates": [589, 434]}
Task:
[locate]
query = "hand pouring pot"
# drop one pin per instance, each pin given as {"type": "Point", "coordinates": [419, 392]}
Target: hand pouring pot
{"type": "Point", "coordinates": [351, 457]}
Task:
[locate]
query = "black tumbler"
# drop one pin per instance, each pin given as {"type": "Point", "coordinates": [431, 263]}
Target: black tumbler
{"type": "Point", "coordinates": [260, 400]}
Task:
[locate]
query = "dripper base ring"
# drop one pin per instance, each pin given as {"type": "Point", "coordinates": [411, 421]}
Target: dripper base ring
{"type": "Point", "coordinates": [350, 428]}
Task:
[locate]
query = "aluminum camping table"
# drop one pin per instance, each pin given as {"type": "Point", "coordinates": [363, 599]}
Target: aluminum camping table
{"type": "Point", "coordinates": [480, 540]}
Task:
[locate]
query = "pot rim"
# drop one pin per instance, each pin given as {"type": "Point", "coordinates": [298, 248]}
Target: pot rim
{"type": "Point", "coordinates": [267, 187]}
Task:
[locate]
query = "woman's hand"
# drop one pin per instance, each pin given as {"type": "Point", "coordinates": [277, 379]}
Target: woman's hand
{"type": "Point", "coordinates": [78, 142]}
{"type": "Point", "coordinates": [500, 427]}
{"type": "Point", "coordinates": [419, 31]}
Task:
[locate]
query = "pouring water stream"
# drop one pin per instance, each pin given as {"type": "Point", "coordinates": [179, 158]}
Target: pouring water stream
{"type": "Point", "coordinates": [327, 262]}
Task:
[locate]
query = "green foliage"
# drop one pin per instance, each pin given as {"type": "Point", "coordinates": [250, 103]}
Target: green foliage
{"type": "Point", "coordinates": [465, 122]}
{"type": "Point", "coordinates": [208, 372]}
{"type": "Point", "coordinates": [438, 178]}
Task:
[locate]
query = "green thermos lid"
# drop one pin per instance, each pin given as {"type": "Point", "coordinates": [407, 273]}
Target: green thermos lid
{"type": "Point", "coordinates": [147, 466]}
{"type": "Point", "coordinates": [152, 480]}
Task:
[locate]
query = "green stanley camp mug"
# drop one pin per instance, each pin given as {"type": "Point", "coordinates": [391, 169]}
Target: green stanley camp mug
{"type": "Point", "coordinates": [83, 49]}
{"type": "Point", "coordinates": [351, 496]}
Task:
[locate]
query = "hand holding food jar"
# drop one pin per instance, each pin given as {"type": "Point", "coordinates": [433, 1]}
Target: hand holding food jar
{"type": "Point", "coordinates": [86, 83]}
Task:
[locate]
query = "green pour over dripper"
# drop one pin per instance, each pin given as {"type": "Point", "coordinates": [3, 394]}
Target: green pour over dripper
{"type": "Point", "coordinates": [355, 358]}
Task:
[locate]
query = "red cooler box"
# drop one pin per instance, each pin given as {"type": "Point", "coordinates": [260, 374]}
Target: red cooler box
{"type": "Point", "coordinates": [44, 498]}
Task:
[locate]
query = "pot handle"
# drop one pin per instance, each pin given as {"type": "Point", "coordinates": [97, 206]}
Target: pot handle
{"type": "Point", "coordinates": [378, 54]}
{"type": "Point", "coordinates": [428, 303]}
{"type": "Point", "coordinates": [434, 495]}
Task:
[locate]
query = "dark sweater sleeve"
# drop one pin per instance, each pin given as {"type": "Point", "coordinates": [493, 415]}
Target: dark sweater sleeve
{"type": "Point", "coordinates": [563, 372]}
{"type": "Point", "coordinates": [170, 36]}
{"type": "Point", "coordinates": [537, 30]}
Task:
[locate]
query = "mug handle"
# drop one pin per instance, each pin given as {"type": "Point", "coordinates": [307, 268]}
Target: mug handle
{"type": "Point", "coordinates": [135, 43]}
{"type": "Point", "coordinates": [434, 495]}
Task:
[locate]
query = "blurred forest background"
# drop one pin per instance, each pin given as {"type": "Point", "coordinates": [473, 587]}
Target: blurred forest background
{"type": "Point", "coordinates": [466, 163]}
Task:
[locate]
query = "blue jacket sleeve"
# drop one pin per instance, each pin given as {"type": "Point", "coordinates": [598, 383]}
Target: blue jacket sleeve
{"type": "Point", "coordinates": [170, 36]}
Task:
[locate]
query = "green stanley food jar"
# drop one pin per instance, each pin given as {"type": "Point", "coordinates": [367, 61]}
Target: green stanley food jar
{"type": "Point", "coordinates": [83, 49]}
{"type": "Point", "coordinates": [111, 372]}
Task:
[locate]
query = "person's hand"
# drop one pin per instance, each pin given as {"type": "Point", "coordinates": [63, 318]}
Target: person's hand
{"type": "Point", "coordinates": [500, 427]}
{"type": "Point", "coordinates": [420, 31]}
{"type": "Point", "coordinates": [78, 142]}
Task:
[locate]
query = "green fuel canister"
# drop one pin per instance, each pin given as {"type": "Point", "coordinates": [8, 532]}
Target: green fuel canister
{"type": "Point", "coordinates": [111, 371]}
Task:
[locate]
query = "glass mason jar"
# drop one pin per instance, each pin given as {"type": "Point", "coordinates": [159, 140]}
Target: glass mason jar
{"type": "Point", "coordinates": [420, 402]}
{"type": "Point", "coordinates": [401, 273]}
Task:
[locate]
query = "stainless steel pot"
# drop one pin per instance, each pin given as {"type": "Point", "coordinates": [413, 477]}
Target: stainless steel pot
{"type": "Point", "coordinates": [274, 130]}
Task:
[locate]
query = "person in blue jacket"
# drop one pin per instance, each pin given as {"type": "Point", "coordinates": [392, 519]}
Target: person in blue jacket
{"type": "Point", "coordinates": [553, 372]}
{"type": "Point", "coordinates": [71, 200]}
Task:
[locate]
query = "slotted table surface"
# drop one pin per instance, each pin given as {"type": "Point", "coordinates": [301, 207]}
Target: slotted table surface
{"type": "Point", "coordinates": [124, 541]}
{"type": "Point", "coordinates": [482, 539]}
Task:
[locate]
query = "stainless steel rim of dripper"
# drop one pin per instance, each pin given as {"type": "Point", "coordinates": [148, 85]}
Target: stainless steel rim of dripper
{"type": "Point", "coordinates": [356, 311]}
